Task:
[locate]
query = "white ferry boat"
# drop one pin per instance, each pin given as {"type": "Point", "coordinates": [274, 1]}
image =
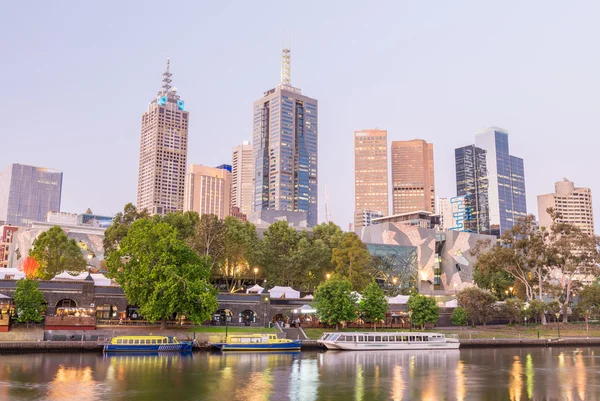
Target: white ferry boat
{"type": "Point", "coordinates": [387, 341]}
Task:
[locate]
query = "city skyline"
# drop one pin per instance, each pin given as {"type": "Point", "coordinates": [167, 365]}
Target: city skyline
{"type": "Point", "coordinates": [450, 94]}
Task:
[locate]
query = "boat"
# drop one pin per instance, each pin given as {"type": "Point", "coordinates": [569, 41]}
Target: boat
{"type": "Point", "coordinates": [359, 341]}
{"type": "Point", "coordinates": [257, 342]}
{"type": "Point", "coordinates": [147, 344]}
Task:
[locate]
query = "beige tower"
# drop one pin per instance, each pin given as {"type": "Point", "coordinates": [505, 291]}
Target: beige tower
{"type": "Point", "coordinates": [242, 174]}
{"type": "Point", "coordinates": [163, 152]}
{"type": "Point", "coordinates": [413, 185]}
{"type": "Point", "coordinates": [370, 176]}
{"type": "Point", "coordinates": [208, 191]}
{"type": "Point", "coordinates": [574, 205]}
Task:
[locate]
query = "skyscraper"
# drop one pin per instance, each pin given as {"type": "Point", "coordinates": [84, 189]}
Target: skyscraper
{"type": "Point", "coordinates": [413, 183]}
{"type": "Point", "coordinates": [370, 175]}
{"type": "Point", "coordinates": [506, 178]}
{"type": "Point", "coordinates": [242, 173]}
{"type": "Point", "coordinates": [285, 149]}
{"type": "Point", "coordinates": [574, 205]}
{"type": "Point", "coordinates": [163, 152]}
{"type": "Point", "coordinates": [472, 184]}
{"type": "Point", "coordinates": [208, 191]}
{"type": "Point", "coordinates": [28, 193]}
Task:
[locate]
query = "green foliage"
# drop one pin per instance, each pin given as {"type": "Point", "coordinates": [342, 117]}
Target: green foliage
{"type": "Point", "coordinates": [459, 316]}
{"type": "Point", "coordinates": [29, 301]}
{"type": "Point", "coordinates": [209, 239]}
{"type": "Point", "coordinates": [55, 252]}
{"type": "Point", "coordinates": [373, 305]}
{"type": "Point", "coordinates": [514, 310]}
{"type": "Point", "coordinates": [335, 302]}
{"type": "Point", "coordinates": [184, 222]}
{"type": "Point", "coordinates": [240, 253]}
{"type": "Point", "coordinates": [424, 309]}
{"type": "Point", "coordinates": [478, 304]}
{"type": "Point", "coordinates": [497, 281]}
{"type": "Point", "coordinates": [279, 243]}
{"type": "Point", "coordinates": [535, 309]}
{"type": "Point", "coordinates": [352, 261]}
{"type": "Point", "coordinates": [161, 274]}
{"type": "Point", "coordinates": [121, 223]}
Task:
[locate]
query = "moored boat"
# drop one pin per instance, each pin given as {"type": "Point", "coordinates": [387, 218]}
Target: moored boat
{"type": "Point", "coordinates": [147, 344]}
{"type": "Point", "coordinates": [257, 342]}
{"type": "Point", "coordinates": [357, 341]}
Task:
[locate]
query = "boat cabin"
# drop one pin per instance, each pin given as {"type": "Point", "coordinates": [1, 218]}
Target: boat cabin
{"type": "Point", "coordinates": [143, 340]}
{"type": "Point", "coordinates": [383, 337]}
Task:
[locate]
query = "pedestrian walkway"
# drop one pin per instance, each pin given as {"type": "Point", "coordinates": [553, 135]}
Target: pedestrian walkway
{"type": "Point", "coordinates": [294, 333]}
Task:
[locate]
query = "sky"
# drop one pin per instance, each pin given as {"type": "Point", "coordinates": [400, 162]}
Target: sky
{"type": "Point", "coordinates": [78, 75]}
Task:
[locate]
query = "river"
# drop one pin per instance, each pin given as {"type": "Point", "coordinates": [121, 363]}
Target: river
{"type": "Point", "coordinates": [468, 374]}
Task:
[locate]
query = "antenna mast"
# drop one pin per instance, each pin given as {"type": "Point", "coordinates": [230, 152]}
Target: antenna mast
{"type": "Point", "coordinates": [285, 61]}
{"type": "Point", "coordinates": [167, 78]}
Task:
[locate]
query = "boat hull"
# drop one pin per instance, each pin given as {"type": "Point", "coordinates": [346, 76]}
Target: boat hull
{"type": "Point", "coordinates": [291, 346]}
{"type": "Point", "coordinates": [184, 346]}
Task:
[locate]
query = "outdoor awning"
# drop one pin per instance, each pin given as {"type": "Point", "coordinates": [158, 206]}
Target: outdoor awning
{"type": "Point", "coordinates": [2, 296]}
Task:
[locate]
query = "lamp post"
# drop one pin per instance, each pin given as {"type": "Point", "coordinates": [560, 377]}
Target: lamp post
{"type": "Point", "coordinates": [410, 319]}
{"type": "Point", "coordinates": [89, 258]}
{"type": "Point", "coordinates": [255, 271]}
{"type": "Point", "coordinates": [526, 326]}
{"type": "Point", "coordinates": [557, 314]}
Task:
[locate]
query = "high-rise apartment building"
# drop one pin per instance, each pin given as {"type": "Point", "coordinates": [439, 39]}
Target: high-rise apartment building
{"type": "Point", "coordinates": [242, 175]}
{"type": "Point", "coordinates": [574, 205]}
{"type": "Point", "coordinates": [506, 179]}
{"type": "Point", "coordinates": [284, 143]}
{"type": "Point", "coordinates": [370, 175]}
{"type": "Point", "coordinates": [413, 183]}
{"type": "Point", "coordinates": [472, 185]}
{"type": "Point", "coordinates": [28, 193]}
{"type": "Point", "coordinates": [163, 152]}
{"type": "Point", "coordinates": [208, 191]}
{"type": "Point", "coordinates": [6, 236]}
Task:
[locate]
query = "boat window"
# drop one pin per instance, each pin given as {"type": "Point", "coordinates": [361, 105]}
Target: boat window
{"type": "Point", "coordinates": [418, 338]}
{"type": "Point", "coordinates": [136, 341]}
{"type": "Point", "coordinates": [165, 341]}
{"type": "Point", "coordinates": [411, 338]}
{"type": "Point", "coordinates": [425, 338]}
{"type": "Point", "coordinates": [371, 338]}
{"type": "Point", "coordinates": [384, 338]}
{"type": "Point", "coordinates": [119, 341]}
{"type": "Point", "coordinates": [377, 338]}
{"type": "Point", "coordinates": [361, 338]}
{"type": "Point", "coordinates": [154, 341]}
{"type": "Point", "coordinates": [395, 338]}
{"type": "Point", "coordinates": [334, 337]}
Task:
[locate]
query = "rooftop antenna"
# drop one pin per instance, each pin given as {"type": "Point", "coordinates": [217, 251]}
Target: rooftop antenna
{"type": "Point", "coordinates": [285, 59]}
{"type": "Point", "coordinates": [167, 78]}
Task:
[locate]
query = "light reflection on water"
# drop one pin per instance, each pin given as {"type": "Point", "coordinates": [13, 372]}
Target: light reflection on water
{"type": "Point", "coordinates": [470, 374]}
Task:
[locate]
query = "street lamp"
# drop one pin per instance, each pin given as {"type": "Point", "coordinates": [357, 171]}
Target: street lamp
{"type": "Point", "coordinates": [394, 280]}
{"type": "Point", "coordinates": [410, 319]}
{"type": "Point", "coordinates": [328, 276]}
{"type": "Point", "coordinates": [557, 314]}
{"type": "Point", "coordinates": [89, 276]}
{"type": "Point", "coordinates": [526, 326]}
{"type": "Point", "coordinates": [255, 271]}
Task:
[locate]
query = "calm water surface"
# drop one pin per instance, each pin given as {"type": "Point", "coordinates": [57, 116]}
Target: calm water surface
{"type": "Point", "coordinates": [478, 374]}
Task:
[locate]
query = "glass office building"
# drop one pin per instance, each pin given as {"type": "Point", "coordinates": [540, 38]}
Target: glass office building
{"type": "Point", "coordinates": [506, 177]}
{"type": "Point", "coordinates": [472, 186]}
{"type": "Point", "coordinates": [285, 152]}
{"type": "Point", "coordinates": [28, 193]}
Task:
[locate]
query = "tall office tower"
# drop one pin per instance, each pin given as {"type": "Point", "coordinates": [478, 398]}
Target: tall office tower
{"type": "Point", "coordinates": [574, 205]}
{"type": "Point", "coordinates": [242, 173]}
{"type": "Point", "coordinates": [163, 152]}
{"type": "Point", "coordinates": [413, 184]}
{"type": "Point", "coordinates": [285, 149]}
{"type": "Point", "coordinates": [370, 175]}
{"type": "Point", "coordinates": [472, 184]}
{"type": "Point", "coordinates": [208, 191]}
{"type": "Point", "coordinates": [506, 178]}
{"type": "Point", "coordinates": [28, 193]}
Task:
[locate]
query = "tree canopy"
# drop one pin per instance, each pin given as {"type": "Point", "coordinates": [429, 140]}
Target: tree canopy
{"type": "Point", "coordinates": [55, 252]}
{"type": "Point", "coordinates": [353, 261]}
{"type": "Point", "coordinates": [29, 301]}
{"type": "Point", "coordinates": [373, 306]}
{"type": "Point", "coordinates": [477, 303]}
{"type": "Point", "coordinates": [423, 309]}
{"type": "Point", "coordinates": [120, 225]}
{"type": "Point", "coordinates": [161, 274]}
{"type": "Point", "coordinates": [334, 301]}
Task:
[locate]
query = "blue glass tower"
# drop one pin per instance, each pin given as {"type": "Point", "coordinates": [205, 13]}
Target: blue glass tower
{"type": "Point", "coordinates": [472, 184]}
{"type": "Point", "coordinates": [285, 149]}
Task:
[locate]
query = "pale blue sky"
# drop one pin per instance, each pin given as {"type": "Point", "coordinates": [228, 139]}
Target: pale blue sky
{"type": "Point", "coordinates": [77, 76]}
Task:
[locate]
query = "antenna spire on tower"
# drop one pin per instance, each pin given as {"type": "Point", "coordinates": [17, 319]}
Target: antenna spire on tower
{"type": "Point", "coordinates": [167, 78]}
{"type": "Point", "coordinates": [285, 61]}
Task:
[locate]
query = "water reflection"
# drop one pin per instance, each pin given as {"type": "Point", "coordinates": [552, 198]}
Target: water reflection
{"type": "Point", "coordinates": [476, 374]}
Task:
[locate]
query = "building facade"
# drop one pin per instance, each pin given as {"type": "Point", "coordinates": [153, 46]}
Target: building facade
{"type": "Point", "coordinates": [28, 193]}
{"type": "Point", "coordinates": [163, 152]}
{"type": "Point", "coordinates": [506, 180]}
{"type": "Point", "coordinates": [573, 203]}
{"type": "Point", "coordinates": [6, 237]}
{"type": "Point", "coordinates": [472, 185]}
{"type": "Point", "coordinates": [208, 191]}
{"type": "Point", "coordinates": [365, 217]}
{"type": "Point", "coordinates": [370, 175]}
{"type": "Point", "coordinates": [242, 175]}
{"type": "Point", "coordinates": [284, 143]}
{"type": "Point", "coordinates": [413, 181]}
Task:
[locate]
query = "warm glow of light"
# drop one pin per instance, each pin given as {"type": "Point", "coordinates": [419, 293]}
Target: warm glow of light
{"type": "Point", "coordinates": [328, 276]}
{"type": "Point", "coordinates": [461, 387]}
{"type": "Point", "coordinates": [529, 374]}
{"type": "Point", "coordinates": [580, 376]}
{"type": "Point", "coordinates": [398, 385]}
{"type": "Point", "coordinates": [515, 380]}
{"type": "Point", "coordinates": [67, 379]}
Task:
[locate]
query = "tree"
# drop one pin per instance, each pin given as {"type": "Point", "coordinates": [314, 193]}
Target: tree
{"type": "Point", "coordinates": [279, 244]}
{"type": "Point", "coordinates": [352, 261]}
{"type": "Point", "coordinates": [55, 252]}
{"type": "Point", "coordinates": [515, 309]}
{"type": "Point", "coordinates": [497, 281]}
{"type": "Point", "coordinates": [459, 316]}
{"type": "Point", "coordinates": [477, 303]}
{"type": "Point", "coordinates": [161, 274]}
{"type": "Point", "coordinates": [373, 305]}
{"type": "Point", "coordinates": [209, 239]}
{"type": "Point", "coordinates": [334, 301]}
{"type": "Point", "coordinates": [120, 225]}
{"type": "Point", "coordinates": [521, 253]}
{"type": "Point", "coordinates": [184, 222]}
{"type": "Point", "coordinates": [424, 309]}
{"type": "Point", "coordinates": [311, 259]}
{"type": "Point", "coordinates": [240, 252]}
{"type": "Point", "coordinates": [29, 301]}
{"type": "Point", "coordinates": [589, 304]}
